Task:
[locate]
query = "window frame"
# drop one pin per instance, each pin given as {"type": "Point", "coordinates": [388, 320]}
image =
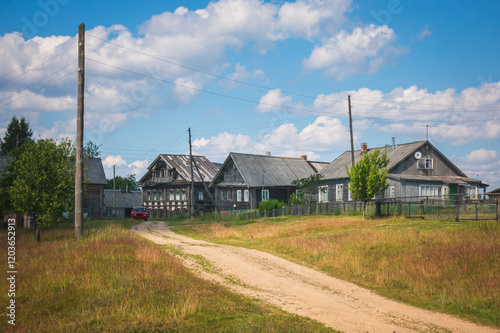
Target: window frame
{"type": "Point", "coordinates": [341, 196]}
{"type": "Point", "coordinates": [323, 195]}
{"type": "Point", "coordinates": [246, 195]}
{"type": "Point", "coordinates": [266, 195]}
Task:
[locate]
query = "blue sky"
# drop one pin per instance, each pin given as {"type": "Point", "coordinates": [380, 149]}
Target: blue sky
{"type": "Point", "coordinates": [254, 76]}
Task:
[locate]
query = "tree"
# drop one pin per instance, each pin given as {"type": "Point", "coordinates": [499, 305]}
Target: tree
{"type": "Point", "coordinates": [18, 129]}
{"type": "Point", "coordinates": [309, 186]}
{"type": "Point", "coordinates": [123, 183]}
{"type": "Point", "coordinates": [90, 150]}
{"type": "Point", "coordinates": [368, 177]}
{"type": "Point", "coordinates": [45, 182]}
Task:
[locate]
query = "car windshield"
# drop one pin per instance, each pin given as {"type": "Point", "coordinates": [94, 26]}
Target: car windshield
{"type": "Point", "coordinates": [140, 209]}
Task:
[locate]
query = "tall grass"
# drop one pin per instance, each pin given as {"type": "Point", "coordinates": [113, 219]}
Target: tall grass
{"type": "Point", "coordinates": [443, 265]}
{"type": "Point", "coordinates": [115, 281]}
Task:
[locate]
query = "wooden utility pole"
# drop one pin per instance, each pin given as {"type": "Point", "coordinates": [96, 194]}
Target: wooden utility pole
{"type": "Point", "coordinates": [350, 128]}
{"type": "Point", "coordinates": [114, 190]}
{"type": "Point", "coordinates": [192, 178]}
{"type": "Point", "coordinates": [79, 134]}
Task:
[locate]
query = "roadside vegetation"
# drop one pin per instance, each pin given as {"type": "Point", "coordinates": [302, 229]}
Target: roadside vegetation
{"type": "Point", "coordinates": [441, 265]}
{"type": "Point", "coordinates": [115, 281]}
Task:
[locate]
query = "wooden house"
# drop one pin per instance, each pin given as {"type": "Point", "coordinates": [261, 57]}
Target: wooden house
{"type": "Point", "coordinates": [166, 186]}
{"type": "Point", "coordinates": [120, 202]}
{"type": "Point", "coordinates": [416, 169]}
{"type": "Point", "coordinates": [95, 180]}
{"type": "Point", "coordinates": [245, 180]}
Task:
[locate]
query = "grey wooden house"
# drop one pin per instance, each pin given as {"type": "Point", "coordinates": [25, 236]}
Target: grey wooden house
{"type": "Point", "coordinates": [166, 186]}
{"type": "Point", "coordinates": [95, 180]}
{"type": "Point", "coordinates": [416, 169]}
{"type": "Point", "coordinates": [245, 180]}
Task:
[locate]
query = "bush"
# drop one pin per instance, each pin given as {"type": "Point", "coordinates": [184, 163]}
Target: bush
{"type": "Point", "coordinates": [271, 204]}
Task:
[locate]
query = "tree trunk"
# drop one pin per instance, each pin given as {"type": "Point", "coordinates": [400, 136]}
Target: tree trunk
{"type": "Point", "coordinates": [364, 209]}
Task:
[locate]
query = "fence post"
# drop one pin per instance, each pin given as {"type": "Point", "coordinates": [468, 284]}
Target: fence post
{"type": "Point", "coordinates": [400, 208]}
{"type": "Point", "coordinates": [457, 212]}
{"type": "Point", "coordinates": [246, 215]}
{"type": "Point", "coordinates": [274, 212]}
{"type": "Point", "coordinates": [378, 209]}
{"type": "Point", "coordinates": [498, 212]}
{"type": "Point", "coordinates": [422, 209]}
{"type": "Point", "coordinates": [476, 212]}
{"type": "Point", "coordinates": [283, 211]}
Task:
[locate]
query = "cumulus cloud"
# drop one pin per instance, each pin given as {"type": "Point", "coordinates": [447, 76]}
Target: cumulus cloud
{"type": "Point", "coordinates": [365, 50]}
{"type": "Point", "coordinates": [123, 168]}
{"type": "Point", "coordinates": [481, 155]}
{"type": "Point", "coordinates": [273, 100]}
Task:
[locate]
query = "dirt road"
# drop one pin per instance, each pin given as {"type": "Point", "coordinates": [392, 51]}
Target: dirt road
{"type": "Point", "coordinates": [301, 290]}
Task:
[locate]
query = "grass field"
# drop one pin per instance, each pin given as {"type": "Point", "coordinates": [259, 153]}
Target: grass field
{"type": "Point", "coordinates": [115, 281]}
{"type": "Point", "coordinates": [442, 265]}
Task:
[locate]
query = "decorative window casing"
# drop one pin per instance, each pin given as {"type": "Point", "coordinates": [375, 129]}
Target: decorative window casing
{"type": "Point", "coordinates": [339, 191]}
{"type": "Point", "coordinates": [183, 195]}
{"type": "Point", "coordinates": [171, 196]}
{"type": "Point", "coordinates": [392, 192]}
{"type": "Point", "coordinates": [238, 195]}
{"type": "Point", "coordinates": [177, 196]}
{"type": "Point", "coordinates": [323, 193]}
{"type": "Point", "coordinates": [471, 191]}
{"type": "Point", "coordinates": [425, 164]}
{"type": "Point", "coordinates": [430, 191]}
{"type": "Point", "coordinates": [246, 195]}
{"type": "Point", "coordinates": [265, 195]}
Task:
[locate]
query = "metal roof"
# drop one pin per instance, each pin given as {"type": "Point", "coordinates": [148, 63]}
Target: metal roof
{"type": "Point", "coordinates": [262, 170]}
{"type": "Point", "coordinates": [123, 199]}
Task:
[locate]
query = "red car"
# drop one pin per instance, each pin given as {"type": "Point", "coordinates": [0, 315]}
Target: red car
{"type": "Point", "coordinates": [139, 212]}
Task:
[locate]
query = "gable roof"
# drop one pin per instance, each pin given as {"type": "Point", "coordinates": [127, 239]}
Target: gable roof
{"type": "Point", "coordinates": [94, 171]}
{"type": "Point", "coordinates": [336, 169]}
{"type": "Point", "coordinates": [182, 165]}
{"type": "Point", "coordinates": [262, 170]}
{"type": "Point", "coordinates": [123, 199]}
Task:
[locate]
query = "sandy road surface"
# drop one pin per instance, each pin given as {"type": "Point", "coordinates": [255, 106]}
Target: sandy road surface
{"type": "Point", "coordinates": [304, 291]}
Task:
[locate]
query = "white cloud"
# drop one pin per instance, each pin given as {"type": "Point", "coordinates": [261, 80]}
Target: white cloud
{"type": "Point", "coordinates": [481, 155]}
{"type": "Point", "coordinates": [241, 74]}
{"type": "Point", "coordinates": [365, 50]}
{"type": "Point", "coordinates": [425, 33]}
{"type": "Point", "coordinates": [273, 101]}
{"type": "Point", "coordinates": [111, 160]}
{"type": "Point", "coordinates": [139, 168]}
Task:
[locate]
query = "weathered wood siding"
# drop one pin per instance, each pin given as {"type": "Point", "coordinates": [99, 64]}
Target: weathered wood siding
{"type": "Point", "coordinates": [409, 166]}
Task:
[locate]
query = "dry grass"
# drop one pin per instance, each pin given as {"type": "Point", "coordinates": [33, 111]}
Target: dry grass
{"type": "Point", "coordinates": [436, 264]}
{"type": "Point", "coordinates": [115, 281]}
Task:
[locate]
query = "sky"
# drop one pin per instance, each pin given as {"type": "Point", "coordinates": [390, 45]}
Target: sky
{"type": "Point", "coordinates": [254, 76]}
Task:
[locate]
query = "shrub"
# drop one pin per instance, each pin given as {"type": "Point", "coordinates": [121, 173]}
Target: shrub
{"type": "Point", "coordinates": [271, 204]}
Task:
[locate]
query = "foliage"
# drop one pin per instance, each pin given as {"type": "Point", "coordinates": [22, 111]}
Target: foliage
{"type": "Point", "coordinates": [17, 128]}
{"type": "Point", "coordinates": [121, 183]}
{"type": "Point", "coordinates": [45, 181]}
{"type": "Point", "coordinates": [368, 177]}
{"type": "Point", "coordinates": [297, 198]}
{"type": "Point", "coordinates": [309, 186]}
{"type": "Point", "coordinates": [271, 204]}
{"type": "Point", "coordinates": [90, 150]}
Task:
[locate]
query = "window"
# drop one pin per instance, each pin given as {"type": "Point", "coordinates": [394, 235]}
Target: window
{"type": "Point", "coordinates": [171, 194]}
{"type": "Point", "coordinates": [340, 192]}
{"type": "Point", "coordinates": [149, 196]}
{"type": "Point", "coordinates": [265, 195]}
{"type": "Point", "coordinates": [200, 196]}
{"type": "Point", "coordinates": [425, 163]}
{"type": "Point", "coordinates": [238, 195]}
{"type": "Point", "coordinates": [471, 191]}
{"type": "Point", "coordinates": [162, 173]}
{"type": "Point", "coordinates": [246, 195]}
{"type": "Point", "coordinates": [183, 196]}
{"type": "Point", "coordinates": [154, 196]}
{"type": "Point", "coordinates": [392, 191]}
{"type": "Point", "coordinates": [222, 196]}
{"type": "Point", "coordinates": [430, 191]}
{"type": "Point", "coordinates": [323, 193]}
{"type": "Point", "coordinates": [160, 196]}
{"type": "Point", "coordinates": [349, 195]}
{"type": "Point", "coordinates": [229, 196]}
{"type": "Point", "coordinates": [177, 196]}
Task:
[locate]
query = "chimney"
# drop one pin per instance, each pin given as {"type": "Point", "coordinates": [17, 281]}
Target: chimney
{"type": "Point", "coordinates": [364, 148]}
{"type": "Point", "coordinates": [393, 143]}
{"type": "Point", "coordinates": [304, 157]}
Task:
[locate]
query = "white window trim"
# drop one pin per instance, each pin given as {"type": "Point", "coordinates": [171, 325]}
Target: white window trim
{"type": "Point", "coordinates": [422, 163]}
{"type": "Point", "coordinates": [341, 196]}
{"type": "Point", "coordinates": [238, 195]}
{"type": "Point", "coordinates": [436, 187]}
{"type": "Point", "coordinates": [323, 193]}
{"type": "Point", "coordinates": [246, 195]}
{"type": "Point", "coordinates": [266, 192]}
{"type": "Point", "coordinates": [392, 191]}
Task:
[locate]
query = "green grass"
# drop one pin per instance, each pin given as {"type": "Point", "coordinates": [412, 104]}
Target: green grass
{"type": "Point", "coordinates": [115, 281]}
{"type": "Point", "coordinates": [442, 265]}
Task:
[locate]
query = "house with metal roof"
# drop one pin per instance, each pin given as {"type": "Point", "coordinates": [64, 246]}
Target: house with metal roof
{"type": "Point", "coordinates": [166, 186]}
{"type": "Point", "coordinates": [416, 169]}
{"type": "Point", "coordinates": [245, 180]}
{"type": "Point", "coordinates": [120, 202]}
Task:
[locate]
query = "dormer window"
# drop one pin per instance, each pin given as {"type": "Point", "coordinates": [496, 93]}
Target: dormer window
{"type": "Point", "coordinates": [425, 163]}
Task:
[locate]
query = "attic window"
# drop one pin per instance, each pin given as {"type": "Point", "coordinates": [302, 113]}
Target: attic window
{"type": "Point", "coordinates": [425, 163]}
